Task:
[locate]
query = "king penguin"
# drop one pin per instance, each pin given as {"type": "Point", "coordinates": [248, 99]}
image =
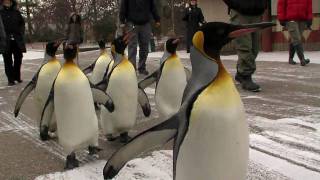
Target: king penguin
{"type": "Point", "coordinates": [99, 68]}
{"type": "Point", "coordinates": [122, 85]}
{"type": "Point", "coordinates": [210, 131]}
{"type": "Point", "coordinates": [41, 83]}
{"type": "Point", "coordinates": [171, 80]}
{"type": "Point", "coordinates": [72, 97]}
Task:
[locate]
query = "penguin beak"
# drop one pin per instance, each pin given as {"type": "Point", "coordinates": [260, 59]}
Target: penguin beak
{"type": "Point", "coordinates": [177, 41]}
{"type": "Point", "coordinates": [249, 28]}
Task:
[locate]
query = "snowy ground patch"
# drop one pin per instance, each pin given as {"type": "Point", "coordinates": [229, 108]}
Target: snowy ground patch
{"type": "Point", "coordinates": [283, 149]}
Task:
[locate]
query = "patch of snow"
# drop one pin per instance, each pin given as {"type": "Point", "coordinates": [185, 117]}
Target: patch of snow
{"type": "Point", "coordinates": [277, 56]}
{"type": "Point", "coordinates": [30, 55]}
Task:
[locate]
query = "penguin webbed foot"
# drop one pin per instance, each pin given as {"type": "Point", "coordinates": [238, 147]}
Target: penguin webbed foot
{"type": "Point", "coordinates": [71, 162]}
{"type": "Point", "coordinates": [94, 150]}
{"type": "Point", "coordinates": [124, 137]}
{"type": "Point", "coordinates": [44, 133]}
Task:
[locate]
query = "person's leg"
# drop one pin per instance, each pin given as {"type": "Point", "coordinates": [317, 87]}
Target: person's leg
{"type": "Point", "coordinates": [17, 54]}
{"type": "Point", "coordinates": [8, 65]}
{"type": "Point", "coordinates": [132, 46]}
{"type": "Point", "coordinates": [144, 40]}
{"type": "Point", "coordinates": [247, 48]}
{"type": "Point", "coordinates": [296, 39]}
{"type": "Point", "coordinates": [189, 40]}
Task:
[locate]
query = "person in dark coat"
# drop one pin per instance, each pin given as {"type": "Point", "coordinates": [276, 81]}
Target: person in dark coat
{"type": "Point", "coordinates": [74, 30]}
{"type": "Point", "coordinates": [194, 18]}
{"type": "Point", "coordinates": [138, 14]}
{"type": "Point", "coordinates": [14, 26]}
{"type": "Point", "coordinates": [3, 38]}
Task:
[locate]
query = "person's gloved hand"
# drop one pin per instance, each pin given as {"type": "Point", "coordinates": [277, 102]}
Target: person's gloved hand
{"type": "Point", "coordinates": [309, 24]}
{"type": "Point", "coordinates": [158, 24]}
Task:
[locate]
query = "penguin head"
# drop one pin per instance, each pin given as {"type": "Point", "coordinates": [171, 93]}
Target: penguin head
{"type": "Point", "coordinates": [52, 47]}
{"type": "Point", "coordinates": [102, 44]}
{"type": "Point", "coordinates": [121, 43]}
{"type": "Point", "coordinates": [171, 45]}
{"type": "Point", "coordinates": [70, 51]}
{"type": "Point", "coordinates": [212, 36]}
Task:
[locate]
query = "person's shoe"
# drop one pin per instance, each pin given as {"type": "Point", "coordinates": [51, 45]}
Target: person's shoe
{"type": "Point", "coordinates": [292, 62]}
{"type": "Point", "coordinates": [19, 80]}
{"type": "Point", "coordinates": [300, 53]}
{"type": "Point", "coordinates": [11, 83]}
{"type": "Point", "coordinates": [247, 83]}
{"type": "Point", "coordinates": [143, 72]}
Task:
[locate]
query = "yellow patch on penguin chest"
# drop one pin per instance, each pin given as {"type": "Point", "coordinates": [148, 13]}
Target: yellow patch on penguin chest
{"type": "Point", "coordinates": [218, 129]}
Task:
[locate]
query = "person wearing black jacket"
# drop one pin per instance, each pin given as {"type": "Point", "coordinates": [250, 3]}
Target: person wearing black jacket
{"type": "Point", "coordinates": [138, 13]}
{"type": "Point", "coordinates": [194, 18]}
{"type": "Point", "coordinates": [14, 26]}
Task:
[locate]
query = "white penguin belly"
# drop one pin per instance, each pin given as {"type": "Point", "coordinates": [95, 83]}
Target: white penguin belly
{"type": "Point", "coordinates": [216, 144]}
{"type": "Point", "coordinates": [76, 118]}
{"type": "Point", "coordinates": [123, 89]}
{"type": "Point", "coordinates": [100, 69]}
{"type": "Point", "coordinates": [46, 77]}
{"type": "Point", "coordinates": [170, 88]}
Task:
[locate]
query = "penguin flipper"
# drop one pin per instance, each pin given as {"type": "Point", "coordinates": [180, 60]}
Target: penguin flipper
{"type": "Point", "coordinates": [24, 94]}
{"type": "Point", "coordinates": [144, 102]}
{"type": "Point", "coordinates": [46, 115]}
{"type": "Point", "coordinates": [89, 69]}
{"type": "Point", "coordinates": [149, 80]}
{"type": "Point", "coordinates": [144, 142]}
{"type": "Point", "coordinates": [188, 73]}
{"type": "Point", "coordinates": [101, 97]}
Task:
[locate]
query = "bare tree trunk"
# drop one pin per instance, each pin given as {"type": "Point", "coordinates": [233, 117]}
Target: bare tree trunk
{"type": "Point", "coordinates": [28, 18]}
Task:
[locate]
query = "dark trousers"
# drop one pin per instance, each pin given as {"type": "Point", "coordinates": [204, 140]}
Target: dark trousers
{"type": "Point", "coordinates": [190, 34]}
{"type": "Point", "coordinates": [141, 36]}
{"type": "Point", "coordinates": [12, 69]}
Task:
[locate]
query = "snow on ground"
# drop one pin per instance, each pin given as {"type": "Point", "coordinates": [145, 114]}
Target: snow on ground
{"type": "Point", "coordinates": [279, 56]}
{"type": "Point", "coordinates": [283, 149]}
{"type": "Point", "coordinates": [30, 55]}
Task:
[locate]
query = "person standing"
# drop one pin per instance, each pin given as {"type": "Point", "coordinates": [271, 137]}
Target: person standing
{"type": "Point", "coordinates": [295, 16]}
{"type": "Point", "coordinates": [137, 14]}
{"type": "Point", "coordinates": [194, 18]}
{"type": "Point", "coordinates": [14, 26]}
{"type": "Point", "coordinates": [75, 32]}
{"type": "Point", "coordinates": [247, 47]}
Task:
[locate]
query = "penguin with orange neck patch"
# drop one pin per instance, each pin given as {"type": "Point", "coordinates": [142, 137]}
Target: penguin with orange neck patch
{"type": "Point", "coordinates": [122, 85]}
{"type": "Point", "coordinates": [171, 80]}
{"type": "Point", "coordinates": [41, 83]}
{"type": "Point", "coordinates": [210, 131]}
{"type": "Point", "coordinates": [72, 98]}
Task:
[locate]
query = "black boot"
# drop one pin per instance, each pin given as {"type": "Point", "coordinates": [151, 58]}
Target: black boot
{"type": "Point", "coordinates": [247, 83]}
{"type": "Point", "coordinates": [124, 138]}
{"type": "Point", "coordinates": [94, 150]}
{"type": "Point", "coordinates": [300, 53]}
{"type": "Point", "coordinates": [71, 162]}
{"type": "Point", "coordinates": [292, 51]}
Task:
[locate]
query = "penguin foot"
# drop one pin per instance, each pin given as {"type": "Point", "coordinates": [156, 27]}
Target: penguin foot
{"type": "Point", "coordinates": [71, 162]}
{"type": "Point", "coordinates": [94, 150]}
{"type": "Point", "coordinates": [44, 133]}
{"type": "Point", "coordinates": [110, 137]}
{"type": "Point", "coordinates": [124, 137]}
